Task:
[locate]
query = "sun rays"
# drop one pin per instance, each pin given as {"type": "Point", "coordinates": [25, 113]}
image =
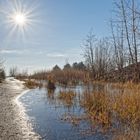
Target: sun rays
{"type": "Point", "coordinates": [19, 16]}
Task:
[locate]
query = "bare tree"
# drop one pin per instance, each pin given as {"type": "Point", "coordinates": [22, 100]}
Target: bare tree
{"type": "Point", "coordinates": [125, 19]}
{"type": "Point", "coordinates": [128, 24]}
{"type": "Point", "coordinates": [13, 72]}
{"type": "Point", "coordinates": [97, 56]}
{"type": "Point", "coordinates": [118, 43]}
{"type": "Point", "coordinates": [89, 49]}
{"type": "Point", "coordinates": [102, 58]}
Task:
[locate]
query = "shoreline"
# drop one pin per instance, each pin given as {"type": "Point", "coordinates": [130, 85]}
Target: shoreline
{"type": "Point", "coordinates": [26, 121]}
{"type": "Point", "coordinates": [14, 122]}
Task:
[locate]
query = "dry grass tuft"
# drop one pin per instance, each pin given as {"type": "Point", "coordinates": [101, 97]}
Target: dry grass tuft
{"type": "Point", "coordinates": [67, 97]}
{"type": "Point", "coordinates": [127, 108]}
{"type": "Point", "coordinates": [32, 84]}
{"type": "Point", "coordinates": [98, 107]}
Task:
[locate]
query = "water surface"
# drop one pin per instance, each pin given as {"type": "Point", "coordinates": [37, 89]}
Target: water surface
{"type": "Point", "coordinates": [51, 118]}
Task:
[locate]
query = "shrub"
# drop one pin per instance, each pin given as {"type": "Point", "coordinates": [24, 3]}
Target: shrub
{"type": "Point", "coordinates": [2, 75]}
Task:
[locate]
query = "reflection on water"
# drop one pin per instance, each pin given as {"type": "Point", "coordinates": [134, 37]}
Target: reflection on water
{"type": "Point", "coordinates": [55, 120]}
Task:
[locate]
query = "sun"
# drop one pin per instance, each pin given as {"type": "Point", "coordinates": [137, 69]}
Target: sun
{"type": "Point", "coordinates": [19, 19]}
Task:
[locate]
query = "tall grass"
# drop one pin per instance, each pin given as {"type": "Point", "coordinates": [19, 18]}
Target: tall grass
{"type": "Point", "coordinates": [127, 108]}
{"type": "Point", "coordinates": [98, 108]}
{"type": "Point", "coordinates": [127, 85]}
{"type": "Point", "coordinates": [108, 110]}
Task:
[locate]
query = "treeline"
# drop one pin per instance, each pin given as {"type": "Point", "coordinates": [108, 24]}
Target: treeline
{"type": "Point", "coordinates": [68, 75]}
{"type": "Point", "coordinates": [117, 58]}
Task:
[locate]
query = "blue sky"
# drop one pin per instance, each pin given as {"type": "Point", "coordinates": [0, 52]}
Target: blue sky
{"type": "Point", "coordinates": [57, 31]}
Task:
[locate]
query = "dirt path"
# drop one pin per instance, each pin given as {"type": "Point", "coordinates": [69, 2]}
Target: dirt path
{"type": "Point", "coordinates": [13, 123]}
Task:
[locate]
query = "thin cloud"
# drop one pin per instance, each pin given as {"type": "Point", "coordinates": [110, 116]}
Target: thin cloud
{"type": "Point", "coordinates": [8, 51]}
{"type": "Point", "coordinates": [56, 55]}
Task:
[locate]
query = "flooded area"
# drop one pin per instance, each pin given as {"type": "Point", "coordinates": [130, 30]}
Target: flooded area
{"type": "Point", "coordinates": [54, 119]}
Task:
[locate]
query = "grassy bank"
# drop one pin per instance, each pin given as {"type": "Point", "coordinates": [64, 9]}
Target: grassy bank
{"type": "Point", "coordinates": [113, 112]}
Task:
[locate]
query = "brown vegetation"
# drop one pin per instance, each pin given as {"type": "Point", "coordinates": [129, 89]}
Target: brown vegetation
{"type": "Point", "coordinates": [32, 84]}
{"type": "Point", "coordinates": [98, 107]}
{"type": "Point", "coordinates": [69, 77]}
{"type": "Point", "coordinates": [67, 97]}
{"type": "Point", "coordinates": [127, 108]}
{"type": "Point", "coordinates": [105, 109]}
